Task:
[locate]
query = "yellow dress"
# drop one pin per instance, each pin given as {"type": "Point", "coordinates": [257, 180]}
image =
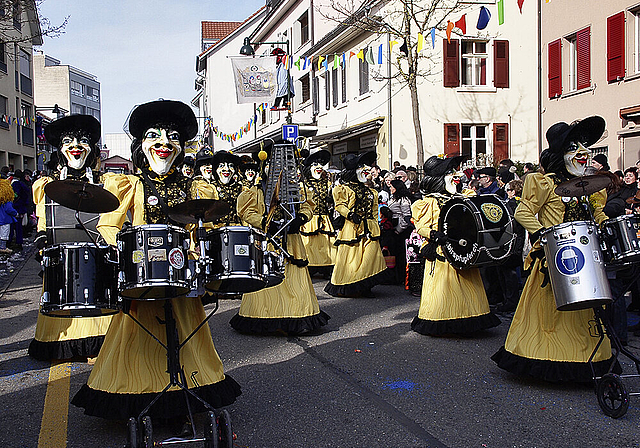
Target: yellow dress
{"type": "Point", "coordinates": [453, 301]}
{"type": "Point", "coordinates": [292, 306]}
{"type": "Point", "coordinates": [360, 264]}
{"type": "Point", "coordinates": [543, 342]}
{"type": "Point", "coordinates": [131, 368]}
{"type": "Point", "coordinates": [63, 337]}
{"type": "Point", "coordinates": [318, 234]}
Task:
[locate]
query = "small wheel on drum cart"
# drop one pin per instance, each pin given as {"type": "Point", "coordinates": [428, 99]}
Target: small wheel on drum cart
{"type": "Point", "coordinates": [613, 397]}
{"type": "Point", "coordinates": [211, 437]}
{"type": "Point", "coordinates": [132, 435]}
{"type": "Point", "coordinates": [224, 429]}
{"type": "Point", "coordinates": [147, 432]}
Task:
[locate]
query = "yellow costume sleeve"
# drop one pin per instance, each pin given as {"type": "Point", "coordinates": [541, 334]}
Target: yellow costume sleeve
{"type": "Point", "coordinates": [308, 206]}
{"type": "Point", "coordinates": [425, 214]}
{"type": "Point", "coordinates": [39, 200]}
{"type": "Point", "coordinates": [535, 192]}
{"type": "Point", "coordinates": [344, 199]}
{"type": "Point", "coordinates": [250, 206]}
{"type": "Point", "coordinates": [201, 189]}
{"type": "Point", "coordinates": [110, 223]}
{"type": "Point", "coordinates": [599, 199]}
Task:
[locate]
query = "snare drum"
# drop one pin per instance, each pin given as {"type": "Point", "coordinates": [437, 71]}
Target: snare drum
{"type": "Point", "coordinates": [235, 260]}
{"type": "Point", "coordinates": [79, 281]}
{"type": "Point", "coordinates": [153, 262]}
{"type": "Point", "coordinates": [480, 231]}
{"type": "Point", "coordinates": [576, 267]}
{"type": "Point", "coordinates": [622, 238]}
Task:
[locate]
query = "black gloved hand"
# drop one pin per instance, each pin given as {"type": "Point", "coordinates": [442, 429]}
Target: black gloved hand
{"type": "Point", "coordinates": [428, 251]}
{"type": "Point", "coordinates": [437, 237]}
{"type": "Point", "coordinates": [38, 256]}
{"type": "Point", "coordinates": [294, 226]}
{"type": "Point", "coordinates": [354, 218]}
{"type": "Point", "coordinates": [41, 239]}
{"type": "Point", "coordinates": [535, 236]}
{"type": "Point", "coordinates": [273, 228]}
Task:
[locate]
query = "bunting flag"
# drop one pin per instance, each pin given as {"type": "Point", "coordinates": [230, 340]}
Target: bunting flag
{"type": "Point", "coordinates": [360, 55]}
{"type": "Point", "coordinates": [351, 54]}
{"type": "Point", "coordinates": [320, 58]}
{"type": "Point", "coordinates": [344, 60]}
{"type": "Point", "coordinates": [500, 12]}
{"type": "Point", "coordinates": [520, 3]}
{"type": "Point", "coordinates": [369, 56]}
{"type": "Point", "coordinates": [391, 44]}
{"type": "Point", "coordinates": [380, 54]}
{"type": "Point", "coordinates": [483, 18]}
{"type": "Point", "coordinates": [433, 38]}
{"type": "Point", "coordinates": [461, 24]}
{"type": "Point", "coordinates": [404, 48]}
{"type": "Point", "coordinates": [304, 65]}
{"type": "Point", "coordinates": [335, 61]}
{"type": "Point", "coordinates": [449, 28]}
{"type": "Point", "coordinates": [297, 63]}
{"type": "Point", "coordinates": [325, 62]}
{"type": "Point", "coordinates": [420, 42]}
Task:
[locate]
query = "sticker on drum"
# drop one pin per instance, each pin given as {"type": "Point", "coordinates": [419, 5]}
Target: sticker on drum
{"type": "Point", "coordinates": [157, 254]}
{"type": "Point", "coordinates": [155, 241]}
{"type": "Point", "coordinates": [137, 256]}
{"type": "Point", "coordinates": [241, 250]}
{"type": "Point", "coordinates": [575, 280]}
{"type": "Point", "coordinates": [176, 258]}
{"type": "Point", "coordinates": [566, 199]}
{"type": "Point", "coordinates": [569, 260]}
{"type": "Point", "coordinates": [152, 200]}
{"type": "Point", "coordinates": [584, 240]}
{"type": "Point", "coordinates": [491, 211]}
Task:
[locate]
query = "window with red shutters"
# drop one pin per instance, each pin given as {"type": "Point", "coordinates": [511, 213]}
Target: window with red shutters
{"type": "Point", "coordinates": [583, 58]}
{"type": "Point", "coordinates": [500, 141]}
{"type": "Point", "coordinates": [615, 47]}
{"type": "Point", "coordinates": [501, 63]}
{"type": "Point", "coordinates": [555, 68]}
{"type": "Point", "coordinates": [451, 65]}
{"type": "Point", "coordinates": [452, 139]}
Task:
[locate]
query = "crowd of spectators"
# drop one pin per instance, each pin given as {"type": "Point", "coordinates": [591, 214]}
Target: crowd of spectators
{"type": "Point", "coordinates": [15, 226]}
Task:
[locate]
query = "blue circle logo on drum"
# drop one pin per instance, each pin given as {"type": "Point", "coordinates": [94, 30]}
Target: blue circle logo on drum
{"type": "Point", "coordinates": [569, 260]}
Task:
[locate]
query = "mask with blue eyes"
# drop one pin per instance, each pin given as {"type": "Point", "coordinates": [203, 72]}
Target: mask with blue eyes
{"type": "Point", "coordinates": [161, 147]}
{"type": "Point", "coordinates": [76, 149]}
{"type": "Point", "coordinates": [576, 158]}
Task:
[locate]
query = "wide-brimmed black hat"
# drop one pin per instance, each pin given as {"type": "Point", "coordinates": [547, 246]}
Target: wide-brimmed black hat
{"type": "Point", "coordinates": [203, 157]}
{"type": "Point", "coordinates": [247, 162]}
{"type": "Point", "coordinates": [72, 124]}
{"type": "Point", "coordinates": [322, 157]}
{"type": "Point", "coordinates": [225, 156]}
{"type": "Point", "coordinates": [436, 167]}
{"type": "Point", "coordinates": [586, 131]}
{"type": "Point", "coordinates": [164, 112]}
{"type": "Point", "coordinates": [487, 171]}
{"type": "Point", "coordinates": [189, 160]}
{"type": "Point", "coordinates": [353, 161]}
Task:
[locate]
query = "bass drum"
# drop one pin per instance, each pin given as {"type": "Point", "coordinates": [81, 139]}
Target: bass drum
{"type": "Point", "coordinates": [79, 280]}
{"type": "Point", "coordinates": [480, 231]}
{"type": "Point", "coordinates": [622, 241]}
{"type": "Point", "coordinates": [576, 267]}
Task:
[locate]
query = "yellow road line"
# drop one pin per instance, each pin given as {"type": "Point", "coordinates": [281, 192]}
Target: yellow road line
{"type": "Point", "coordinates": [53, 430]}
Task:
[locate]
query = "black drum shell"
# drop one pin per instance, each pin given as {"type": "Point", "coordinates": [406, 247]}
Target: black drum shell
{"type": "Point", "coordinates": [621, 241]}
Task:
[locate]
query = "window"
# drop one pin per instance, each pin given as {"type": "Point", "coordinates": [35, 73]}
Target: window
{"type": "Point", "coordinates": [77, 88]}
{"type": "Point", "coordinates": [305, 87]}
{"type": "Point", "coordinates": [94, 112]}
{"type": "Point", "coordinates": [327, 89]}
{"type": "Point", "coordinates": [27, 126]}
{"type": "Point", "coordinates": [303, 23]}
{"type": "Point", "coordinates": [579, 59]}
{"type": "Point", "coordinates": [3, 57]}
{"type": "Point", "coordinates": [636, 40]}
{"type": "Point", "coordinates": [334, 85]}
{"type": "Point", "coordinates": [316, 95]}
{"type": "Point", "coordinates": [93, 94]}
{"type": "Point", "coordinates": [4, 104]}
{"type": "Point", "coordinates": [473, 63]}
{"type": "Point", "coordinates": [474, 142]}
{"type": "Point", "coordinates": [555, 69]}
{"type": "Point", "coordinates": [363, 68]}
{"type": "Point", "coordinates": [615, 47]}
{"type": "Point", "coordinates": [78, 109]}
{"type": "Point", "coordinates": [25, 72]}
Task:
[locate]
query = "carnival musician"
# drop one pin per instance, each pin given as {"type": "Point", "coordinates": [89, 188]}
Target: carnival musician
{"type": "Point", "coordinates": [543, 342]}
{"type": "Point", "coordinates": [453, 300]}
{"type": "Point", "coordinates": [132, 367]}
{"type": "Point", "coordinates": [76, 139]}
{"type": "Point", "coordinates": [248, 170]}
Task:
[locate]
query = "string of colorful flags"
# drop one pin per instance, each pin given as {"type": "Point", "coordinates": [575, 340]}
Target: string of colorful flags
{"type": "Point", "coordinates": [209, 128]}
{"type": "Point", "coordinates": [22, 121]}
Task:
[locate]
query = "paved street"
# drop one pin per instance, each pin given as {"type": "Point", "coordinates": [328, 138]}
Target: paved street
{"type": "Point", "coordinates": [366, 381]}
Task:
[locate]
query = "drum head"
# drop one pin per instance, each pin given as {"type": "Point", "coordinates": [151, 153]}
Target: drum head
{"type": "Point", "coordinates": [457, 220]}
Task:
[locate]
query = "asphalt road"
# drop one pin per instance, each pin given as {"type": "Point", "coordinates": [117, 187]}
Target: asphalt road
{"type": "Point", "coordinates": [366, 381]}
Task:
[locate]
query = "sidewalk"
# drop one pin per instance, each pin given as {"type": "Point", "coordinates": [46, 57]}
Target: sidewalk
{"type": "Point", "coordinates": [10, 265]}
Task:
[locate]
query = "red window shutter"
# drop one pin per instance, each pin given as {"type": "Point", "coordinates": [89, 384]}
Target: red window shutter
{"type": "Point", "coordinates": [450, 52]}
{"type": "Point", "coordinates": [500, 141]}
{"type": "Point", "coordinates": [501, 63]}
{"type": "Point", "coordinates": [615, 47]}
{"type": "Point", "coordinates": [555, 69]}
{"type": "Point", "coordinates": [452, 139]}
{"type": "Point", "coordinates": [583, 58]}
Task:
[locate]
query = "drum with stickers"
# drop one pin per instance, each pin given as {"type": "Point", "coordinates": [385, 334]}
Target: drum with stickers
{"type": "Point", "coordinates": [479, 230]}
{"type": "Point", "coordinates": [78, 280]}
{"type": "Point", "coordinates": [235, 260]}
{"type": "Point", "coordinates": [622, 241]}
{"type": "Point", "coordinates": [576, 266]}
{"type": "Point", "coordinates": [153, 262]}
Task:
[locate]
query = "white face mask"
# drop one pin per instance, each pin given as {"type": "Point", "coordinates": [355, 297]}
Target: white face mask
{"type": "Point", "coordinates": [317, 170]}
{"type": "Point", "coordinates": [362, 172]}
{"type": "Point", "coordinates": [225, 172]}
{"type": "Point", "coordinates": [76, 150]}
{"type": "Point", "coordinates": [577, 159]}
{"type": "Point", "coordinates": [187, 171]}
{"type": "Point", "coordinates": [161, 147]}
{"type": "Point", "coordinates": [207, 171]}
{"type": "Point", "coordinates": [451, 181]}
{"type": "Point", "coordinates": [250, 175]}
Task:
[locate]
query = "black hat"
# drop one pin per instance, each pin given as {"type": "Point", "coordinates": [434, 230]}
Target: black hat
{"type": "Point", "coordinates": [352, 161]}
{"type": "Point", "coordinates": [247, 163]}
{"type": "Point", "coordinates": [225, 156]}
{"type": "Point", "coordinates": [586, 131]}
{"type": "Point", "coordinates": [487, 171]}
{"type": "Point", "coordinates": [322, 157]}
{"type": "Point", "coordinates": [71, 124]}
{"type": "Point", "coordinates": [166, 112]}
{"type": "Point", "coordinates": [189, 160]}
{"type": "Point", "coordinates": [505, 175]}
{"type": "Point", "coordinates": [437, 167]}
{"type": "Point", "coordinates": [204, 156]}
{"type": "Point", "coordinates": [602, 160]}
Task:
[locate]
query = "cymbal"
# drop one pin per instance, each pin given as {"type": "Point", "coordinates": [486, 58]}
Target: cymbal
{"type": "Point", "coordinates": [81, 196]}
{"type": "Point", "coordinates": [195, 209]}
{"type": "Point", "coordinates": [583, 186]}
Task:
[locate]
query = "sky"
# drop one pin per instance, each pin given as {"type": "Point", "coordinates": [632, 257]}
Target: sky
{"type": "Point", "coordinates": [139, 50]}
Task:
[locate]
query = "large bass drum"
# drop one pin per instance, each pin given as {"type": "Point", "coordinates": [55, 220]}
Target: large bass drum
{"type": "Point", "coordinates": [622, 241]}
{"type": "Point", "coordinates": [576, 267]}
{"type": "Point", "coordinates": [79, 280]}
{"type": "Point", "coordinates": [479, 230]}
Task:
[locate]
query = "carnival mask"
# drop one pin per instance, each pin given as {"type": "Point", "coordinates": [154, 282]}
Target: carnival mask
{"type": "Point", "coordinates": [206, 171]}
{"type": "Point", "coordinates": [362, 172]}
{"type": "Point", "coordinates": [76, 149]}
{"type": "Point", "coordinates": [187, 171]}
{"type": "Point", "coordinates": [576, 158]}
{"type": "Point", "coordinates": [225, 172]}
{"type": "Point", "coordinates": [161, 147]}
{"type": "Point", "coordinates": [451, 181]}
{"type": "Point", "coordinates": [250, 175]}
{"type": "Point", "coordinates": [317, 169]}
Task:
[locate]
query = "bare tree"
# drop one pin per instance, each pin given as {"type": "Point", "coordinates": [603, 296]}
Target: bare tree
{"type": "Point", "coordinates": [402, 20]}
{"type": "Point", "coordinates": [21, 21]}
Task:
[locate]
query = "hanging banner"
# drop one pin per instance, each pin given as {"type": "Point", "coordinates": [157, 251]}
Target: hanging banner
{"type": "Point", "coordinates": [255, 78]}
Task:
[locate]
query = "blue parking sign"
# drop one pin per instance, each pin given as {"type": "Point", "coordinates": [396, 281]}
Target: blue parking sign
{"type": "Point", "coordinates": [290, 132]}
